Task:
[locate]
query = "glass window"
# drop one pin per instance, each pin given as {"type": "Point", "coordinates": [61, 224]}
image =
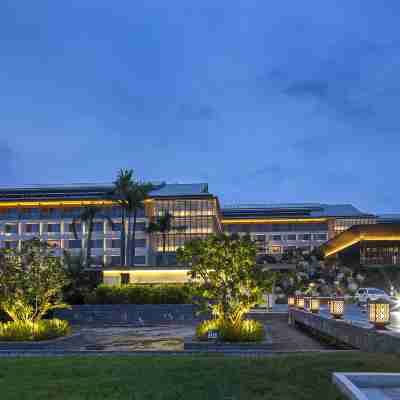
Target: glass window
{"type": "Point", "coordinates": [116, 227]}
{"type": "Point", "coordinates": [140, 259]}
{"type": "Point", "coordinates": [113, 243]}
{"type": "Point", "coordinates": [31, 228]}
{"type": "Point", "coordinates": [97, 244]}
{"type": "Point", "coordinates": [291, 237]}
{"type": "Point", "coordinates": [320, 236]}
{"type": "Point", "coordinates": [10, 244]}
{"type": "Point", "coordinates": [140, 226]}
{"type": "Point", "coordinates": [277, 237]}
{"type": "Point", "coordinates": [78, 228]}
{"type": "Point", "coordinates": [140, 243]}
{"type": "Point", "coordinates": [74, 244]}
{"type": "Point", "coordinates": [98, 227]}
{"type": "Point", "coordinates": [53, 228]}
{"type": "Point", "coordinates": [305, 236]}
{"type": "Point", "coordinates": [11, 228]}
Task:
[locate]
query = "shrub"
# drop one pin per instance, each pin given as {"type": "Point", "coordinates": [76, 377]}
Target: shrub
{"type": "Point", "coordinates": [247, 330]}
{"type": "Point", "coordinates": [139, 294]}
{"type": "Point", "coordinates": [33, 331]}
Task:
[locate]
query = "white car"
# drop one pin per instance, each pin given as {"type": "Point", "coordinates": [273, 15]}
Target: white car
{"type": "Point", "coordinates": [364, 295]}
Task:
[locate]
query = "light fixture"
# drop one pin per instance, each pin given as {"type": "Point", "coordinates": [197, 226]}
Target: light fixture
{"type": "Point", "coordinates": [314, 304]}
{"type": "Point", "coordinates": [379, 313]}
{"type": "Point", "coordinates": [300, 302]}
{"type": "Point", "coordinates": [336, 307]}
{"type": "Point", "coordinates": [291, 301]}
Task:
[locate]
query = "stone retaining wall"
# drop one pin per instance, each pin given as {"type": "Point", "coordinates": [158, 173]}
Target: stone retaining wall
{"type": "Point", "coordinates": [363, 338]}
{"type": "Point", "coordinates": [128, 313]}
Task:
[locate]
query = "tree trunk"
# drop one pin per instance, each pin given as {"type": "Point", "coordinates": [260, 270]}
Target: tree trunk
{"type": "Point", "coordinates": [128, 241]}
{"type": "Point", "coordinates": [122, 237]}
{"type": "Point", "coordinates": [88, 243]}
{"type": "Point", "coordinates": [164, 240]}
{"type": "Point", "coordinates": [133, 238]}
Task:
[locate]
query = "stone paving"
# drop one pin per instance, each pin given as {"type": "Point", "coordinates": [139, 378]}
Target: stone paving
{"type": "Point", "coordinates": [160, 337]}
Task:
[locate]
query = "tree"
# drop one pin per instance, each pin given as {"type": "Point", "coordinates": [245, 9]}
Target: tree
{"type": "Point", "coordinates": [130, 194]}
{"type": "Point", "coordinates": [87, 217]}
{"type": "Point", "coordinates": [224, 275]}
{"type": "Point", "coordinates": [31, 281]}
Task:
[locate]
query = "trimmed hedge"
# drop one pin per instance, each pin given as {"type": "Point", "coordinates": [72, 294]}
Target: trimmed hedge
{"type": "Point", "coordinates": [33, 331]}
{"type": "Point", "coordinates": [248, 330]}
{"type": "Point", "coordinates": [139, 294]}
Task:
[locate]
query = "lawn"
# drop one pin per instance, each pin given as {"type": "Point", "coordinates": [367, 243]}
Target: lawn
{"type": "Point", "coordinates": [302, 376]}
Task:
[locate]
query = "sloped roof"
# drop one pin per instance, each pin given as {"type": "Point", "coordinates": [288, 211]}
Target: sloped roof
{"type": "Point", "coordinates": [181, 189]}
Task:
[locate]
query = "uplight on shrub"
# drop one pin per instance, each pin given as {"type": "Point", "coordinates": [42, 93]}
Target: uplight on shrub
{"type": "Point", "coordinates": [379, 313]}
{"type": "Point", "coordinates": [336, 307]}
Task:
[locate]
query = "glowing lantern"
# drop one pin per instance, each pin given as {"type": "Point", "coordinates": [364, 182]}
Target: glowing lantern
{"type": "Point", "coordinates": [379, 313]}
{"type": "Point", "coordinates": [314, 304]}
{"type": "Point", "coordinates": [336, 307]}
{"type": "Point", "coordinates": [291, 301]}
{"type": "Point", "coordinates": [300, 302]}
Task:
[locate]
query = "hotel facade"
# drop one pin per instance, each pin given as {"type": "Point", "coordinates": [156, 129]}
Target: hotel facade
{"type": "Point", "coordinates": [52, 213]}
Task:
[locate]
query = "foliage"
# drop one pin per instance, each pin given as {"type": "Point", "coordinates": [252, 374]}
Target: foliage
{"type": "Point", "coordinates": [130, 195]}
{"type": "Point", "coordinates": [139, 294]}
{"type": "Point", "coordinates": [31, 331]}
{"type": "Point", "coordinates": [224, 276]}
{"type": "Point", "coordinates": [246, 330]}
{"type": "Point", "coordinates": [87, 217]}
{"type": "Point", "coordinates": [31, 281]}
{"type": "Point", "coordinates": [81, 280]}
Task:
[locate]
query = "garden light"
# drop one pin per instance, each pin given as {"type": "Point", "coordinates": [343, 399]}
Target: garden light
{"type": "Point", "coordinates": [336, 307]}
{"type": "Point", "coordinates": [379, 313]}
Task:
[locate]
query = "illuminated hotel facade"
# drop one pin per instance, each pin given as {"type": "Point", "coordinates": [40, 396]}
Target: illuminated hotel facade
{"type": "Point", "coordinates": [49, 212]}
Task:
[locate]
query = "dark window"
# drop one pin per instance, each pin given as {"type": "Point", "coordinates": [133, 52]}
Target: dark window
{"type": "Point", "coordinates": [98, 227]}
{"type": "Point", "coordinates": [116, 227]}
{"type": "Point", "coordinates": [114, 244]}
{"type": "Point", "coordinates": [97, 244]}
{"type": "Point", "coordinates": [53, 228]}
{"type": "Point", "coordinates": [32, 228]}
{"type": "Point", "coordinates": [8, 244]}
{"type": "Point", "coordinates": [276, 237]}
{"type": "Point", "coordinates": [140, 226]}
{"type": "Point", "coordinates": [140, 243]}
{"type": "Point", "coordinates": [140, 259]}
{"type": "Point", "coordinates": [78, 228]}
{"type": "Point", "coordinates": [115, 260]}
{"type": "Point", "coordinates": [125, 279]}
{"type": "Point", "coordinates": [305, 236]}
{"type": "Point", "coordinates": [291, 237]}
{"type": "Point", "coordinates": [74, 244]}
{"type": "Point", "coordinates": [11, 228]}
{"type": "Point", "coordinates": [320, 236]}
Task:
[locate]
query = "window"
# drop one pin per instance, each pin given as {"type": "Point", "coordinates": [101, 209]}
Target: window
{"type": "Point", "coordinates": [140, 259]}
{"type": "Point", "coordinates": [114, 261]}
{"type": "Point", "coordinates": [140, 226]}
{"type": "Point", "coordinates": [31, 228]}
{"type": "Point", "coordinates": [291, 237]}
{"type": "Point", "coordinates": [277, 237]}
{"type": "Point", "coordinates": [320, 236]}
{"type": "Point", "coordinates": [10, 244]}
{"type": "Point", "coordinates": [125, 279]}
{"type": "Point", "coordinates": [305, 236]}
{"type": "Point", "coordinates": [140, 243]}
{"type": "Point", "coordinates": [96, 244]}
{"type": "Point", "coordinates": [11, 228]}
{"type": "Point", "coordinates": [114, 244]}
{"type": "Point", "coordinates": [74, 244]}
{"type": "Point", "coordinates": [98, 227]}
{"type": "Point", "coordinates": [78, 228]}
{"type": "Point", "coordinates": [53, 228]}
{"type": "Point", "coordinates": [116, 227]}
{"type": "Point", "coordinates": [259, 238]}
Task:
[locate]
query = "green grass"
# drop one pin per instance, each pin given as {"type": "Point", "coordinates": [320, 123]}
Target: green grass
{"type": "Point", "coordinates": [303, 376]}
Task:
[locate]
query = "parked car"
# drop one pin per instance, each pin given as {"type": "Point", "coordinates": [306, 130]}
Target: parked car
{"type": "Point", "coordinates": [364, 295]}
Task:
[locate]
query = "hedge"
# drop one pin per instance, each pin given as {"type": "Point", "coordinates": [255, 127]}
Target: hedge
{"type": "Point", "coordinates": [139, 294]}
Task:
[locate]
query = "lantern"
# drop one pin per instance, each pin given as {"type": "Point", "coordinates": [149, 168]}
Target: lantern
{"type": "Point", "coordinates": [314, 304]}
{"type": "Point", "coordinates": [300, 302]}
{"type": "Point", "coordinates": [336, 307]}
{"type": "Point", "coordinates": [291, 301]}
{"type": "Point", "coordinates": [379, 313]}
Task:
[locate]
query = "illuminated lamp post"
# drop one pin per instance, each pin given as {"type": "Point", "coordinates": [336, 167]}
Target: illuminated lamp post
{"type": "Point", "coordinates": [300, 302]}
{"type": "Point", "coordinates": [314, 305]}
{"type": "Point", "coordinates": [379, 313]}
{"type": "Point", "coordinates": [291, 300]}
{"type": "Point", "coordinates": [336, 307]}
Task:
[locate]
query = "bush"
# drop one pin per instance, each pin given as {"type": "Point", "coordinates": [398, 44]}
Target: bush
{"type": "Point", "coordinates": [247, 331]}
{"type": "Point", "coordinates": [139, 294]}
{"type": "Point", "coordinates": [33, 331]}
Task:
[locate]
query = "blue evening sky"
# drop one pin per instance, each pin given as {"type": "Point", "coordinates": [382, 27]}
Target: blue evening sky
{"type": "Point", "coordinates": [289, 101]}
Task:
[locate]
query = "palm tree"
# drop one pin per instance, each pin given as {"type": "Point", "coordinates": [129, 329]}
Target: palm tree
{"type": "Point", "coordinates": [163, 225]}
{"type": "Point", "coordinates": [130, 196]}
{"type": "Point", "coordinates": [87, 217]}
{"type": "Point", "coordinates": [123, 185]}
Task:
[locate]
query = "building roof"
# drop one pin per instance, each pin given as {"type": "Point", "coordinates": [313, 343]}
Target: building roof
{"type": "Point", "coordinates": [357, 233]}
{"type": "Point", "coordinates": [295, 210]}
{"type": "Point", "coordinates": [87, 191]}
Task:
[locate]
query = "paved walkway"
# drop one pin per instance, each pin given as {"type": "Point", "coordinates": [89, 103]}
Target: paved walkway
{"type": "Point", "coordinates": [158, 338]}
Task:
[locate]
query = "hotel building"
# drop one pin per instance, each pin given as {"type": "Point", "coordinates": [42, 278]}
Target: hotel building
{"type": "Point", "coordinates": [49, 212]}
